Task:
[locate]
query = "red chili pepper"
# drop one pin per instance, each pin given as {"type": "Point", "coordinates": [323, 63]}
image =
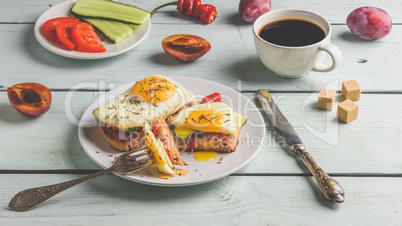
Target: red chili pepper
{"type": "Point", "coordinates": [154, 126]}
{"type": "Point", "coordinates": [114, 128]}
{"type": "Point", "coordinates": [190, 146]}
{"type": "Point", "coordinates": [169, 155]}
{"type": "Point", "coordinates": [207, 13]}
{"type": "Point", "coordinates": [215, 97]}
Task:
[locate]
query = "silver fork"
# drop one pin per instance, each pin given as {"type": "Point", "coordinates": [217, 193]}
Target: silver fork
{"type": "Point", "coordinates": [125, 163]}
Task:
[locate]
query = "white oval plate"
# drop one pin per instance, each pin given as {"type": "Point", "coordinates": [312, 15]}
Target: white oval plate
{"type": "Point", "coordinates": [63, 9]}
{"type": "Point", "coordinates": [251, 137]}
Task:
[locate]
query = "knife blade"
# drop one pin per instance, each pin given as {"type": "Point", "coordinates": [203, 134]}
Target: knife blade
{"type": "Point", "coordinates": [278, 120]}
{"type": "Point", "coordinates": [330, 188]}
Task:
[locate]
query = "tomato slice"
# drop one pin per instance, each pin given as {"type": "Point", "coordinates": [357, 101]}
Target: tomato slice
{"type": "Point", "coordinates": [49, 27]}
{"type": "Point", "coordinates": [63, 31]}
{"type": "Point", "coordinates": [85, 38]}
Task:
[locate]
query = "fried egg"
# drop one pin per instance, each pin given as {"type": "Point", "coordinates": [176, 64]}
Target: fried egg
{"type": "Point", "coordinates": [210, 117]}
{"type": "Point", "coordinates": [151, 97]}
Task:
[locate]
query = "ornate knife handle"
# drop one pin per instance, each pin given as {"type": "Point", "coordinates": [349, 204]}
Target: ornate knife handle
{"type": "Point", "coordinates": [328, 186]}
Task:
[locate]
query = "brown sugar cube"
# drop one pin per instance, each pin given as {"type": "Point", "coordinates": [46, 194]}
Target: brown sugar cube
{"type": "Point", "coordinates": [347, 111]}
{"type": "Point", "coordinates": [351, 90]}
{"type": "Point", "coordinates": [326, 99]}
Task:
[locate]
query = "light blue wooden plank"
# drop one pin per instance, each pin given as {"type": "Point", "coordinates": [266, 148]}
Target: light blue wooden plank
{"type": "Point", "coordinates": [232, 61]}
{"type": "Point", "coordinates": [234, 200]}
{"type": "Point", "coordinates": [46, 142]}
{"type": "Point", "coordinates": [336, 12]}
{"type": "Point", "coordinates": [370, 144]}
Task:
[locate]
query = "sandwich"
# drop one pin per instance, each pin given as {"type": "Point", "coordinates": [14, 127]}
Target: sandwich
{"type": "Point", "coordinates": [121, 121]}
{"type": "Point", "coordinates": [162, 132]}
{"type": "Point", "coordinates": [207, 127]}
{"type": "Point", "coordinates": [159, 154]}
{"type": "Point", "coordinates": [159, 113]}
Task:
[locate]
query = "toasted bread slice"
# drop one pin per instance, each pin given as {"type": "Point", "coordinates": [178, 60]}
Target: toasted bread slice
{"type": "Point", "coordinates": [163, 132]}
{"type": "Point", "coordinates": [217, 142]}
{"type": "Point", "coordinates": [120, 139]}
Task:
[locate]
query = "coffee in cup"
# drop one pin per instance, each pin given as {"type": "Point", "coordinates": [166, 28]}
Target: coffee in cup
{"type": "Point", "coordinates": [292, 42]}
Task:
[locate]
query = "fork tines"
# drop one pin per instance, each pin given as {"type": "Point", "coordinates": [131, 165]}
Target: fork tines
{"type": "Point", "coordinates": [137, 164]}
{"type": "Point", "coordinates": [136, 150]}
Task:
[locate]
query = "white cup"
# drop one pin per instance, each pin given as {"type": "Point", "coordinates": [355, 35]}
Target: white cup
{"type": "Point", "coordinates": [295, 62]}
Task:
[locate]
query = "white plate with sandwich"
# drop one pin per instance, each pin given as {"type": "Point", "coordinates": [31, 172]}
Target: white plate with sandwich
{"type": "Point", "coordinates": [99, 123]}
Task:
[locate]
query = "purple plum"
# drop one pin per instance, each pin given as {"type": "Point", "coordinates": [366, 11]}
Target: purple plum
{"type": "Point", "coordinates": [250, 10]}
{"type": "Point", "coordinates": [369, 23]}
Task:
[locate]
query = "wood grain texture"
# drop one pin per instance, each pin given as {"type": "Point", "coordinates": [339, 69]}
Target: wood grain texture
{"type": "Point", "coordinates": [51, 141]}
{"type": "Point", "coordinates": [110, 200]}
{"type": "Point", "coordinates": [335, 12]}
{"type": "Point", "coordinates": [232, 61]}
{"type": "Point", "coordinates": [223, 63]}
{"type": "Point", "coordinates": [273, 189]}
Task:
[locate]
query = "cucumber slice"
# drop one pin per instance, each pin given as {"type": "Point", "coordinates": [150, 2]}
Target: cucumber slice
{"type": "Point", "coordinates": [134, 128]}
{"type": "Point", "coordinates": [243, 120]}
{"type": "Point", "coordinates": [135, 26]}
{"type": "Point", "coordinates": [170, 164]}
{"type": "Point", "coordinates": [114, 31]}
{"type": "Point", "coordinates": [105, 9]}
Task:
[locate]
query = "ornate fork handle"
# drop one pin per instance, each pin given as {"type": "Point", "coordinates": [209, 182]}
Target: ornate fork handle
{"type": "Point", "coordinates": [328, 186]}
{"type": "Point", "coordinates": [29, 198]}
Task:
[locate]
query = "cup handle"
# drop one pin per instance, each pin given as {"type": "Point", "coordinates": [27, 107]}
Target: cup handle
{"type": "Point", "coordinates": [335, 54]}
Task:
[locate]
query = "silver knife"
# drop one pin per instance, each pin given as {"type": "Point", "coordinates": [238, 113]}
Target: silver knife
{"type": "Point", "coordinates": [328, 186]}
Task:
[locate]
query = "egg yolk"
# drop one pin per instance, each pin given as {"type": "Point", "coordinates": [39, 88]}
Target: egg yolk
{"type": "Point", "coordinates": [205, 120]}
{"type": "Point", "coordinates": [154, 89]}
{"type": "Point", "coordinates": [154, 150]}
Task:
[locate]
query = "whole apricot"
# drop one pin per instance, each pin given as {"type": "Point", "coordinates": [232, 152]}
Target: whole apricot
{"type": "Point", "coordinates": [185, 47]}
{"type": "Point", "coordinates": [32, 99]}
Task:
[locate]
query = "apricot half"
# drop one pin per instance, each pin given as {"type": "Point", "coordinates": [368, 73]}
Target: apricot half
{"type": "Point", "coordinates": [185, 47]}
{"type": "Point", "coordinates": [32, 99]}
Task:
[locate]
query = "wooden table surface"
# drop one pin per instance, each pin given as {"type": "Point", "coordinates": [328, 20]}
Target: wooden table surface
{"type": "Point", "coordinates": [273, 189]}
